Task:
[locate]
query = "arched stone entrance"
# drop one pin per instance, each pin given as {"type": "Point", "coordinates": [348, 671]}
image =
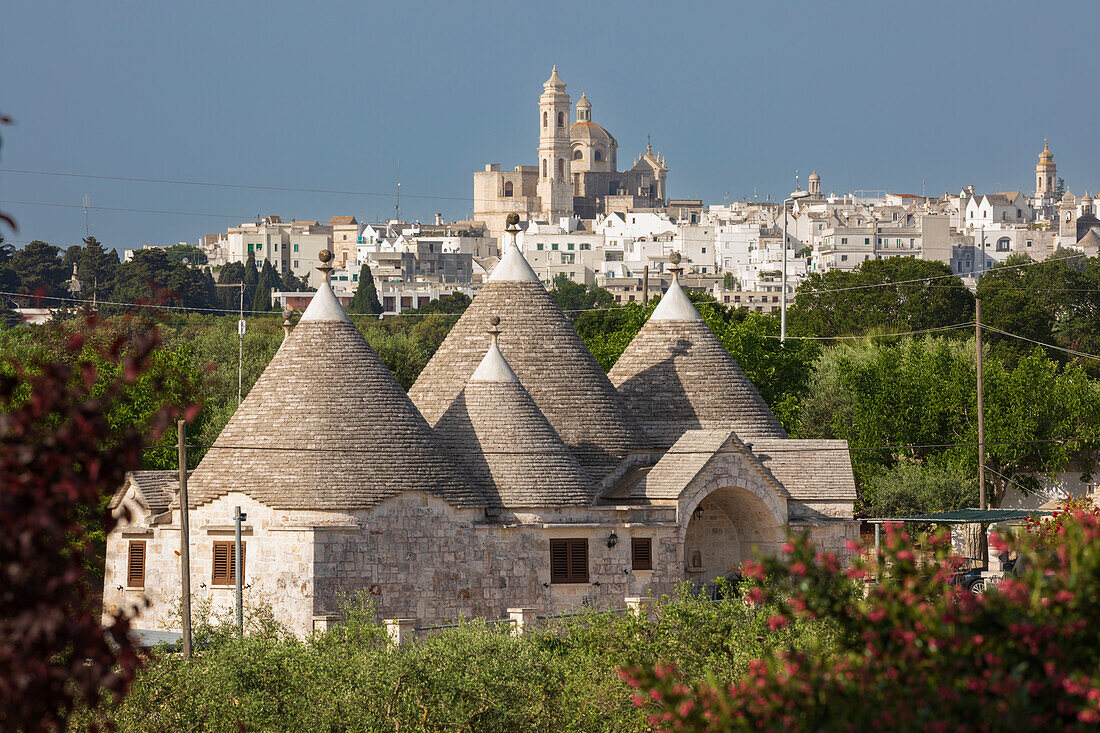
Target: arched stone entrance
{"type": "Point", "coordinates": [727, 527]}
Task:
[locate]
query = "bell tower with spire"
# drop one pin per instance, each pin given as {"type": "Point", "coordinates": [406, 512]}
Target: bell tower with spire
{"type": "Point", "coordinates": [1046, 180]}
{"type": "Point", "coordinates": [555, 187]}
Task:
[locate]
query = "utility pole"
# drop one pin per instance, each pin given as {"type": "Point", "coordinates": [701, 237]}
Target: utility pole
{"type": "Point", "coordinates": [982, 502]}
{"type": "Point", "coordinates": [240, 333]}
{"type": "Point", "coordinates": [645, 286]}
{"type": "Point", "coordinates": [981, 407]}
{"type": "Point", "coordinates": [185, 540]}
{"type": "Point", "coordinates": [238, 567]}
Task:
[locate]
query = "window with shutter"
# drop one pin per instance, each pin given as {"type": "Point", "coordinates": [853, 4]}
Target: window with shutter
{"type": "Point", "coordinates": [225, 563]}
{"type": "Point", "coordinates": [135, 566]}
{"type": "Point", "coordinates": [569, 561]}
{"type": "Point", "coordinates": [641, 553]}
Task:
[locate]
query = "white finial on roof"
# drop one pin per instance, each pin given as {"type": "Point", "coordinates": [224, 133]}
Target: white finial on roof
{"type": "Point", "coordinates": [513, 266]}
{"type": "Point", "coordinates": [493, 367]}
{"type": "Point", "coordinates": [675, 305]}
{"type": "Point", "coordinates": [324, 306]}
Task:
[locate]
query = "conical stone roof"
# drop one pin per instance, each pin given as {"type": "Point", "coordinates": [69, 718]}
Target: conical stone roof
{"type": "Point", "coordinates": [548, 357]}
{"type": "Point", "coordinates": [505, 446]}
{"type": "Point", "coordinates": [675, 376]}
{"type": "Point", "coordinates": [327, 427]}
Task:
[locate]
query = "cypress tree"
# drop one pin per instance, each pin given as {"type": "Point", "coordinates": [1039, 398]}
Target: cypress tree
{"type": "Point", "coordinates": [365, 299]}
{"type": "Point", "coordinates": [267, 281]}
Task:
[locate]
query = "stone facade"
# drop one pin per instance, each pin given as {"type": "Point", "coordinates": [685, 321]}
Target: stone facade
{"type": "Point", "coordinates": [414, 554]}
{"type": "Point", "coordinates": [348, 488]}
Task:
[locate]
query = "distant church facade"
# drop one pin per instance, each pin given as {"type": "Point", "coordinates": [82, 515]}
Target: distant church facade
{"type": "Point", "coordinates": [514, 474]}
{"type": "Point", "coordinates": [576, 174]}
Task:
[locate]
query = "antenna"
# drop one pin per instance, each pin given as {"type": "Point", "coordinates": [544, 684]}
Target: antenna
{"type": "Point", "coordinates": [397, 204]}
{"type": "Point", "coordinates": [86, 225]}
{"type": "Point", "coordinates": [796, 186]}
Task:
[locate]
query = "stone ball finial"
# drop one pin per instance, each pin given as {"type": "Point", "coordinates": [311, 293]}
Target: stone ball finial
{"type": "Point", "coordinates": [287, 313]}
{"type": "Point", "coordinates": [494, 321]}
{"type": "Point", "coordinates": [513, 219]}
{"type": "Point", "coordinates": [674, 258]}
{"type": "Point", "coordinates": [325, 256]}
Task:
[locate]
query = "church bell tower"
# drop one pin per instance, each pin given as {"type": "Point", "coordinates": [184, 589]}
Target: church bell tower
{"type": "Point", "coordinates": [555, 188]}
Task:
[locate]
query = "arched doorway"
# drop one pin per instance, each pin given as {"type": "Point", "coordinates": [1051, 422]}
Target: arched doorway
{"type": "Point", "coordinates": [727, 527]}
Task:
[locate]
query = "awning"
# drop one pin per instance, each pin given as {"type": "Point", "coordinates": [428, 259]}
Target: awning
{"type": "Point", "coordinates": [965, 516]}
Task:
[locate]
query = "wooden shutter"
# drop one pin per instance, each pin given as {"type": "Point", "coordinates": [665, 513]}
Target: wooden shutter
{"type": "Point", "coordinates": [569, 561]}
{"type": "Point", "coordinates": [224, 563]}
{"type": "Point", "coordinates": [559, 561]}
{"type": "Point", "coordinates": [578, 561]}
{"type": "Point", "coordinates": [641, 553]}
{"type": "Point", "coordinates": [135, 565]}
{"type": "Point", "coordinates": [222, 550]}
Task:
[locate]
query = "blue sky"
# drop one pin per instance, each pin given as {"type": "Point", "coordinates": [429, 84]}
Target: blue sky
{"type": "Point", "coordinates": [343, 95]}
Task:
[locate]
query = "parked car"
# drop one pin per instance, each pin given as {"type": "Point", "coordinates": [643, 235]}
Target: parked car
{"type": "Point", "coordinates": [975, 582]}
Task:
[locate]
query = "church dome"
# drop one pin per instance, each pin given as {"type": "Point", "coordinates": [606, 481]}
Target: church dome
{"type": "Point", "coordinates": [815, 177]}
{"type": "Point", "coordinates": [1067, 198]}
{"type": "Point", "coordinates": [589, 132]}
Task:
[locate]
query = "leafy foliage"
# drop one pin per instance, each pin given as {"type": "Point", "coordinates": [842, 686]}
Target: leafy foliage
{"type": "Point", "coordinates": [559, 676]}
{"type": "Point", "coordinates": [365, 299]}
{"type": "Point", "coordinates": [838, 303]}
{"type": "Point", "coordinates": [912, 652]}
{"type": "Point", "coordinates": [60, 456]}
{"type": "Point", "coordinates": [780, 371]}
{"type": "Point", "coordinates": [922, 392]}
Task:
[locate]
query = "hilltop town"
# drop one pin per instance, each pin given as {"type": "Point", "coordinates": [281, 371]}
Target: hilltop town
{"type": "Point", "coordinates": [584, 219]}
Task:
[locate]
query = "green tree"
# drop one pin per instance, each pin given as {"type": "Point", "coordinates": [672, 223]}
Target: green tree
{"type": "Point", "coordinates": [151, 277]}
{"type": "Point", "coordinates": [96, 268]}
{"type": "Point", "coordinates": [454, 303]}
{"type": "Point", "coordinates": [839, 303]}
{"type": "Point", "coordinates": [1056, 301]}
{"type": "Point", "coordinates": [922, 392]}
{"type": "Point", "coordinates": [365, 299]}
{"type": "Point", "coordinates": [267, 281]}
{"type": "Point", "coordinates": [573, 297]}
{"type": "Point", "coordinates": [180, 252]}
{"type": "Point", "coordinates": [40, 269]}
{"type": "Point", "coordinates": [9, 279]}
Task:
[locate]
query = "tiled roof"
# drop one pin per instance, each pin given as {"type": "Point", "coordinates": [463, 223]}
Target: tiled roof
{"type": "Point", "coordinates": [675, 375]}
{"type": "Point", "coordinates": [689, 456]}
{"type": "Point", "coordinates": [551, 362]}
{"type": "Point", "coordinates": [327, 427]}
{"type": "Point", "coordinates": [505, 447]}
{"type": "Point", "coordinates": [812, 470]}
{"type": "Point", "coordinates": [341, 221]}
{"type": "Point", "coordinates": [157, 488]}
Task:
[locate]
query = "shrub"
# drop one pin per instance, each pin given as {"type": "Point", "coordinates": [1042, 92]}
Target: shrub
{"type": "Point", "coordinates": [915, 653]}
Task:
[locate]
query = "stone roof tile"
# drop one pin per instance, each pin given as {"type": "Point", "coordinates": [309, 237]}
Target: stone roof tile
{"type": "Point", "coordinates": [327, 426]}
{"type": "Point", "coordinates": [552, 363]}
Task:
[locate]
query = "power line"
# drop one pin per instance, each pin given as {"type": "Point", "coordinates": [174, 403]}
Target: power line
{"type": "Point", "coordinates": [750, 442]}
{"type": "Point", "coordinates": [926, 280]}
{"type": "Point", "coordinates": [129, 211]}
{"type": "Point", "coordinates": [882, 335]}
{"type": "Point", "coordinates": [1041, 343]}
{"type": "Point", "coordinates": [212, 184]}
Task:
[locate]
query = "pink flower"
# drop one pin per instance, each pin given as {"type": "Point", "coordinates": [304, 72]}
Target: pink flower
{"type": "Point", "coordinates": [777, 622]}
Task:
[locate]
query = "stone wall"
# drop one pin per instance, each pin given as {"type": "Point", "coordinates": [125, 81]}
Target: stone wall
{"type": "Point", "coordinates": [420, 558]}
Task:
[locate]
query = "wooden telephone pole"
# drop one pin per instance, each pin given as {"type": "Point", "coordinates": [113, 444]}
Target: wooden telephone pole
{"type": "Point", "coordinates": [981, 407]}
{"type": "Point", "coordinates": [185, 541]}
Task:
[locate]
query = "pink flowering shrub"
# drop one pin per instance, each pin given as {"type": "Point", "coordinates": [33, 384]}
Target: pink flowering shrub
{"type": "Point", "coordinates": [1046, 530]}
{"type": "Point", "coordinates": [912, 652]}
